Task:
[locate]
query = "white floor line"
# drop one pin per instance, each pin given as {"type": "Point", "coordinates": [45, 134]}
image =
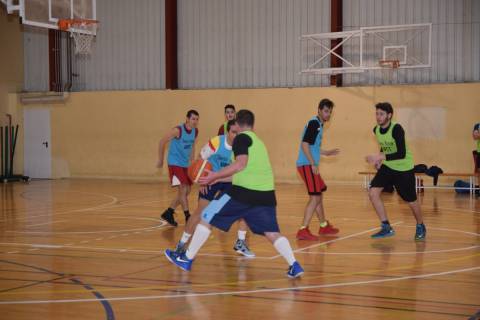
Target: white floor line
{"type": "Point", "coordinates": [45, 223]}
{"type": "Point", "coordinates": [97, 207]}
{"type": "Point", "coordinates": [162, 224]}
{"type": "Point", "coordinates": [210, 294]}
{"type": "Point", "coordinates": [391, 253]}
{"type": "Point", "coordinates": [123, 250]}
{"type": "Point", "coordinates": [336, 239]}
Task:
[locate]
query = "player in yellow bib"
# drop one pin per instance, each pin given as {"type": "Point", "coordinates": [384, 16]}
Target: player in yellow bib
{"type": "Point", "coordinates": [395, 167]}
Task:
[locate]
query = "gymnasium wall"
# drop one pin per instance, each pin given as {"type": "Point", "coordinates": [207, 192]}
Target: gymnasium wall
{"type": "Point", "coordinates": [11, 60]}
{"type": "Point", "coordinates": [127, 54]}
{"type": "Point", "coordinates": [115, 134]}
{"type": "Point", "coordinates": [255, 44]}
{"type": "Point", "coordinates": [251, 44]}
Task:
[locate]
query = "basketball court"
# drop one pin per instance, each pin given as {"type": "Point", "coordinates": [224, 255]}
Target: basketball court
{"type": "Point", "coordinates": [81, 235]}
{"type": "Point", "coordinates": [94, 249]}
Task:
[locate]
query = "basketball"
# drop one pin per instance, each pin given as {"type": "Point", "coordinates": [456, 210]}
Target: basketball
{"type": "Point", "coordinates": [197, 169]}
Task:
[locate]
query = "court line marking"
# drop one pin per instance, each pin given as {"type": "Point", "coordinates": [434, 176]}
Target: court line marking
{"type": "Point", "coordinates": [408, 252]}
{"type": "Point", "coordinates": [393, 253]}
{"type": "Point", "coordinates": [115, 200]}
{"type": "Point", "coordinates": [206, 285]}
{"type": "Point", "coordinates": [162, 224]}
{"type": "Point", "coordinates": [97, 207]}
{"type": "Point", "coordinates": [123, 250]}
{"type": "Point", "coordinates": [209, 294]}
{"type": "Point", "coordinates": [45, 223]}
{"type": "Point", "coordinates": [160, 252]}
{"type": "Point", "coordinates": [335, 240]}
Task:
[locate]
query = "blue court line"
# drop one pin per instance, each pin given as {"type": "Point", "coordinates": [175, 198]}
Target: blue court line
{"type": "Point", "coordinates": [98, 295]}
{"type": "Point", "coordinates": [105, 303]}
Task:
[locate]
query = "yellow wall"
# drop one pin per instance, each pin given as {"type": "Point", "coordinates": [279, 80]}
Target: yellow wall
{"type": "Point", "coordinates": [115, 134]}
{"type": "Point", "coordinates": [11, 61]}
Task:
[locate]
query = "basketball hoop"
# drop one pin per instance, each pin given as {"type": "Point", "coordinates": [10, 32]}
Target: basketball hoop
{"type": "Point", "coordinates": [389, 67]}
{"type": "Point", "coordinates": [392, 64]}
{"type": "Point", "coordinates": [82, 30]}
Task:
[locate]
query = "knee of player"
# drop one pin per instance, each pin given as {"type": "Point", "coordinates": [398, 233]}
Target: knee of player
{"type": "Point", "coordinates": [373, 193]}
{"type": "Point", "coordinates": [272, 236]}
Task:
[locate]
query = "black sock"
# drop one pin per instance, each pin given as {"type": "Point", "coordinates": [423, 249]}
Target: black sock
{"type": "Point", "coordinates": [170, 210]}
{"type": "Point", "coordinates": [386, 222]}
{"type": "Point", "coordinates": [187, 213]}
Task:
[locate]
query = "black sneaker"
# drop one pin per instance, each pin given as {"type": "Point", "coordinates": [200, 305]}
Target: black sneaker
{"type": "Point", "coordinates": [420, 232]}
{"type": "Point", "coordinates": [168, 216]}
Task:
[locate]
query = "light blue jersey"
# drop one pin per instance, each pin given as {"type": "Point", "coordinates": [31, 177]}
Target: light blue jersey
{"type": "Point", "coordinates": [181, 147]}
{"type": "Point", "coordinates": [302, 159]}
{"type": "Point", "coordinates": [222, 155]}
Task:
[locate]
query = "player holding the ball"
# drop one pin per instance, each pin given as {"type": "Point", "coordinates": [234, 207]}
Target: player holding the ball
{"type": "Point", "coordinates": [218, 154]}
{"type": "Point", "coordinates": [251, 197]}
{"type": "Point", "coordinates": [395, 167]}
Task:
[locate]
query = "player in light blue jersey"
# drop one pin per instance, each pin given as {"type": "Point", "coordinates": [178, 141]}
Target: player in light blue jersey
{"type": "Point", "coordinates": [307, 166]}
{"type": "Point", "coordinates": [182, 148]}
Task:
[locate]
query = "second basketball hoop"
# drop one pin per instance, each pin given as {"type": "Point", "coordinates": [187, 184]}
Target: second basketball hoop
{"type": "Point", "coordinates": [82, 30]}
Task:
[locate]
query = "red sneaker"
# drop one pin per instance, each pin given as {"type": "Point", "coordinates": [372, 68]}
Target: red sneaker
{"type": "Point", "coordinates": [328, 229]}
{"type": "Point", "coordinates": [305, 234]}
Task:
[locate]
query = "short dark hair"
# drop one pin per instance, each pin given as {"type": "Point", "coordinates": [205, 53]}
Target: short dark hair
{"type": "Point", "coordinates": [245, 118]}
{"type": "Point", "coordinates": [229, 106]}
{"type": "Point", "coordinates": [385, 106]}
{"type": "Point", "coordinates": [190, 112]}
{"type": "Point", "coordinates": [325, 103]}
{"type": "Point", "coordinates": [230, 123]}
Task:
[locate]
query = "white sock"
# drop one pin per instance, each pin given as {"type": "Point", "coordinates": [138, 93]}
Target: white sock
{"type": "Point", "coordinates": [185, 237]}
{"type": "Point", "coordinates": [242, 235]}
{"type": "Point", "coordinates": [283, 247]}
{"type": "Point", "coordinates": [200, 235]}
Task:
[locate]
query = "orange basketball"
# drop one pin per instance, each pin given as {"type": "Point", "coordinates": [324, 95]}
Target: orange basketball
{"type": "Point", "coordinates": [197, 169]}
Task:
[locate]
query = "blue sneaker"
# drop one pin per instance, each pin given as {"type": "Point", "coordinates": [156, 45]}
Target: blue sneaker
{"type": "Point", "coordinates": [180, 260]}
{"type": "Point", "coordinates": [295, 270]}
{"type": "Point", "coordinates": [421, 232]}
{"type": "Point", "coordinates": [385, 231]}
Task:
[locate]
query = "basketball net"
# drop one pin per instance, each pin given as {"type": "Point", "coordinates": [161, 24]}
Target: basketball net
{"type": "Point", "coordinates": [389, 68]}
{"type": "Point", "coordinates": [82, 31]}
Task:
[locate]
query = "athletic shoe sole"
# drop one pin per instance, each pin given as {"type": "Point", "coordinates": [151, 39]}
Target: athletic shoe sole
{"type": "Point", "coordinates": [388, 235]}
{"type": "Point", "coordinates": [245, 254]}
{"type": "Point", "coordinates": [170, 259]}
{"type": "Point", "coordinates": [295, 276]}
{"type": "Point", "coordinates": [172, 224]}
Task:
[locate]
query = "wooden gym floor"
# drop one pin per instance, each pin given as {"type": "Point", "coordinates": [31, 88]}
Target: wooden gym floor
{"type": "Point", "coordinates": [93, 249]}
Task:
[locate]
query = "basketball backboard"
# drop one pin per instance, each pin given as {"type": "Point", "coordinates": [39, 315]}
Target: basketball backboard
{"type": "Point", "coordinates": [366, 48]}
{"type": "Point", "coordinates": [46, 13]}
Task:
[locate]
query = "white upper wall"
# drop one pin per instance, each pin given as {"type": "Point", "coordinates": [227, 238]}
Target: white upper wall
{"type": "Point", "coordinates": [455, 37]}
{"type": "Point", "coordinates": [247, 43]}
{"type": "Point", "coordinates": [253, 43]}
{"type": "Point", "coordinates": [128, 52]}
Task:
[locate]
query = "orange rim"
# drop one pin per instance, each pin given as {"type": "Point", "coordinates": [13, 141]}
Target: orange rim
{"type": "Point", "coordinates": [394, 64]}
{"type": "Point", "coordinates": [65, 24]}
